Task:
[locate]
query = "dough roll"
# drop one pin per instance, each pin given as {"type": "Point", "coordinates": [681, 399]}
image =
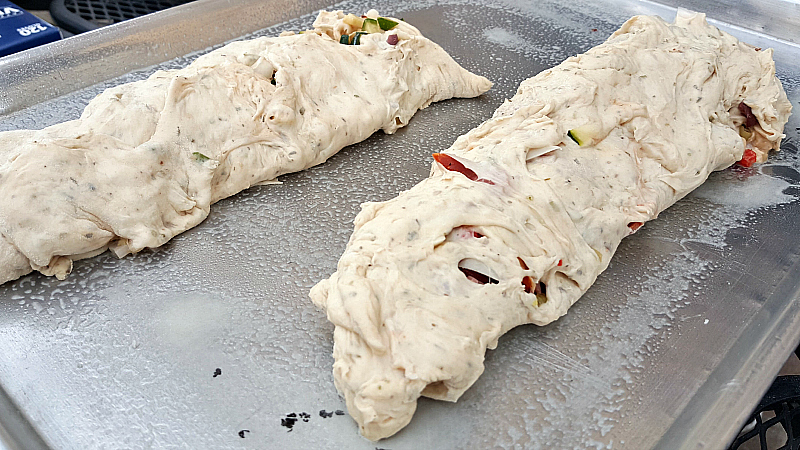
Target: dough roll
{"type": "Point", "coordinates": [521, 214]}
{"type": "Point", "coordinates": [147, 159]}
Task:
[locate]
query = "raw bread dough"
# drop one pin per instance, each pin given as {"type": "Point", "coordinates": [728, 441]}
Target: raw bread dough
{"type": "Point", "coordinates": [517, 219]}
{"type": "Point", "coordinates": [147, 159]}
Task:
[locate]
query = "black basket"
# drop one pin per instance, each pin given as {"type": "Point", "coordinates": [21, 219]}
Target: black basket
{"type": "Point", "coordinates": [780, 407]}
{"type": "Point", "coordinates": [78, 16]}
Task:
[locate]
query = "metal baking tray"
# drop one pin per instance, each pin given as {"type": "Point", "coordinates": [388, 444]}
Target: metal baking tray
{"type": "Point", "coordinates": [671, 348]}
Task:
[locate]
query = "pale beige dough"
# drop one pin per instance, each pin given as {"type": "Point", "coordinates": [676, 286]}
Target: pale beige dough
{"type": "Point", "coordinates": [147, 159]}
{"type": "Point", "coordinates": [657, 108]}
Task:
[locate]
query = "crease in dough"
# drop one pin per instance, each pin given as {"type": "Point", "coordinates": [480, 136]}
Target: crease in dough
{"type": "Point", "coordinates": [146, 160]}
{"type": "Point", "coordinates": [521, 214]}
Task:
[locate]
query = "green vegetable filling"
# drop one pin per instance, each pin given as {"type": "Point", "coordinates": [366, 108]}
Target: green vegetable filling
{"type": "Point", "coordinates": [371, 26]}
{"type": "Point", "coordinates": [585, 134]}
{"type": "Point", "coordinates": [357, 37]}
{"type": "Point", "coordinates": [200, 157]}
{"type": "Point", "coordinates": [386, 24]}
{"type": "Point", "coordinates": [574, 138]}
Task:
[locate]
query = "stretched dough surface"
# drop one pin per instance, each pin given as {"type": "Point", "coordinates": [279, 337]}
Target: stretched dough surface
{"type": "Point", "coordinates": [146, 160]}
{"type": "Point", "coordinates": [521, 214]}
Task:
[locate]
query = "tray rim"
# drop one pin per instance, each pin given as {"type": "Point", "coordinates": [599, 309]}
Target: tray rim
{"type": "Point", "coordinates": [94, 50]}
{"type": "Point", "coordinates": [17, 431]}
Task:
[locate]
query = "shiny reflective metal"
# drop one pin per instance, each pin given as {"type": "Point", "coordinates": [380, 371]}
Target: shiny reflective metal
{"type": "Point", "coordinates": [211, 341]}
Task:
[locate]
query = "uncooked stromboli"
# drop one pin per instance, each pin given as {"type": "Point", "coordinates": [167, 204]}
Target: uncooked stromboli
{"type": "Point", "coordinates": [146, 160]}
{"type": "Point", "coordinates": [521, 214]}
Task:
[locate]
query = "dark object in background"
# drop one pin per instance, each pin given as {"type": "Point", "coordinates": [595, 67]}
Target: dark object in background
{"type": "Point", "coordinates": [775, 423]}
{"type": "Point", "coordinates": [79, 16]}
{"type": "Point", "coordinates": [32, 5]}
{"type": "Point", "coordinates": [21, 30]}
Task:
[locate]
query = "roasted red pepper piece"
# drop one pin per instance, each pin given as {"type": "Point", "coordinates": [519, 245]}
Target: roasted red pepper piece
{"type": "Point", "coordinates": [464, 232]}
{"type": "Point", "coordinates": [748, 159]}
{"type": "Point", "coordinates": [450, 163]}
{"type": "Point", "coordinates": [538, 289]}
{"type": "Point", "coordinates": [635, 225]}
{"type": "Point", "coordinates": [477, 277]}
{"type": "Point", "coordinates": [527, 282]}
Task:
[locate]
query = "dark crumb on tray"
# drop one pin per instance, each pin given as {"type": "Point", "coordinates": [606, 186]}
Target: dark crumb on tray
{"type": "Point", "coordinates": [242, 432]}
{"type": "Point", "coordinates": [289, 421]}
{"type": "Point", "coordinates": [217, 372]}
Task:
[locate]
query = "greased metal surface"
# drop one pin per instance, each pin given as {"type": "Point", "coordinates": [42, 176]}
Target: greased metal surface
{"type": "Point", "coordinates": [685, 330]}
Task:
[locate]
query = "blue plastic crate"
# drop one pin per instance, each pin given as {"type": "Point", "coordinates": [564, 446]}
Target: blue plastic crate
{"type": "Point", "coordinates": [21, 30]}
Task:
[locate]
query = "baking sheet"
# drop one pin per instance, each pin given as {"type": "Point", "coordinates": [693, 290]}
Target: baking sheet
{"type": "Point", "coordinates": [671, 347]}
